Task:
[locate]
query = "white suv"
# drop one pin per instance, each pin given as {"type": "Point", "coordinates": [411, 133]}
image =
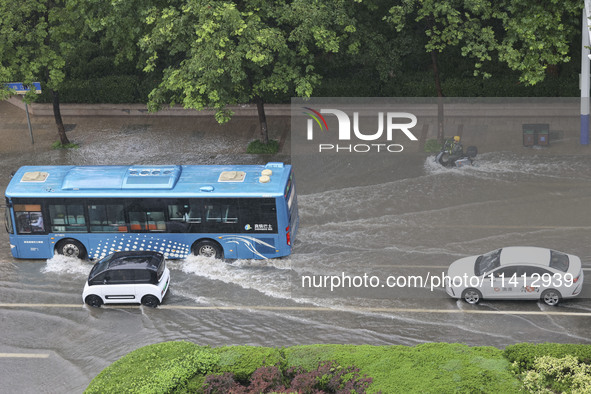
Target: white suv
{"type": "Point", "coordinates": [128, 277]}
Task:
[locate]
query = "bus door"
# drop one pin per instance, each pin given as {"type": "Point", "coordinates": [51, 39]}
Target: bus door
{"type": "Point", "coordinates": [259, 228]}
{"type": "Point", "coordinates": [31, 240]}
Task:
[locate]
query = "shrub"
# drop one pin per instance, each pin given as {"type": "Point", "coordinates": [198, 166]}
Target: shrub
{"type": "Point", "coordinates": [242, 361]}
{"type": "Point", "coordinates": [222, 384]}
{"type": "Point", "coordinates": [523, 355]}
{"type": "Point", "coordinates": [257, 146]}
{"type": "Point", "coordinates": [328, 377]}
{"type": "Point", "coordinates": [565, 375]}
{"type": "Point", "coordinates": [59, 145]}
{"type": "Point", "coordinates": [432, 146]}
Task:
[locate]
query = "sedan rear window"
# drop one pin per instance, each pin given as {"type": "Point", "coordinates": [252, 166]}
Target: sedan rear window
{"type": "Point", "coordinates": [487, 262]}
{"type": "Point", "coordinates": [559, 261]}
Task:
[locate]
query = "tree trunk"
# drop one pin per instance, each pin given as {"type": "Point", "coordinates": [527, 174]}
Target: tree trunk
{"type": "Point", "coordinates": [61, 130]}
{"type": "Point", "coordinates": [262, 120]}
{"type": "Point", "coordinates": [440, 131]}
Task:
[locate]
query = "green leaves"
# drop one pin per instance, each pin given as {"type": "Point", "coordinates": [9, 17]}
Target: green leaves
{"type": "Point", "coordinates": [234, 52]}
{"type": "Point", "coordinates": [527, 36]}
{"type": "Point", "coordinates": [36, 40]}
{"type": "Point", "coordinates": [536, 35]}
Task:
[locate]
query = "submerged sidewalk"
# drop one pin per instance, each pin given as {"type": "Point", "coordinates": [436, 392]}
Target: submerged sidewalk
{"type": "Point", "coordinates": [490, 127]}
{"type": "Point", "coordinates": [85, 123]}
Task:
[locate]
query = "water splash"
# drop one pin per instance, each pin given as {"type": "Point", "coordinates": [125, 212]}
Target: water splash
{"type": "Point", "coordinates": [67, 265]}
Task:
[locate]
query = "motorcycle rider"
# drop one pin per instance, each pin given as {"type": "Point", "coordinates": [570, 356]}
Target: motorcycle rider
{"type": "Point", "coordinates": [452, 154]}
{"type": "Point", "coordinates": [456, 149]}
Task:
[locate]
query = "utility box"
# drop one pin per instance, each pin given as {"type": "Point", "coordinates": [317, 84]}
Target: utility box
{"type": "Point", "coordinates": [536, 134]}
{"type": "Point", "coordinates": [528, 138]}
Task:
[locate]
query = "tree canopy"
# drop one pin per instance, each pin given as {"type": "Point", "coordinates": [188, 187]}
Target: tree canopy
{"type": "Point", "coordinates": [215, 54]}
{"type": "Point", "coordinates": [228, 53]}
{"type": "Point", "coordinates": [37, 39]}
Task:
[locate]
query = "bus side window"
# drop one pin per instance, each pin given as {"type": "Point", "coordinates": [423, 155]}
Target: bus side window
{"type": "Point", "coordinates": [229, 214]}
{"type": "Point", "coordinates": [156, 221]}
{"type": "Point", "coordinates": [67, 217]}
{"type": "Point", "coordinates": [107, 218]}
{"type": "Point", "coordinates": [137, 221]}
{"type": "Point", "coordinates": [212, 213]}
{"type": "Point", "coordinates": [29, 218]}
{"type": "Point", "coordinates": [194, 214]}
{"type": "Point", "coordinates": [175, 212]}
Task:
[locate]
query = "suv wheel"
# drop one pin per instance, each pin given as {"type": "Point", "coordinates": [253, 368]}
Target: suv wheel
{"type": "Point", "coordinates": [94, 301]}
{"type": "Point", "coordinates": [150, 301]}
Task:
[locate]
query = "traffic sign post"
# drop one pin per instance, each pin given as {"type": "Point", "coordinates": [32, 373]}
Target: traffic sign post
{"type": "Point", "coordinates": [22, 89]}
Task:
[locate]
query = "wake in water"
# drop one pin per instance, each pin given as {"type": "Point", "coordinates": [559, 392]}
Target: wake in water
{"type": "Point", "coordinates": [270, 277]}
{"type": "Point", "coordinates": [509, 166]}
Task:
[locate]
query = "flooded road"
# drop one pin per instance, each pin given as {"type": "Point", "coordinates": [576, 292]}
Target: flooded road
{"type": "Point", "coordinates": [408, 216]}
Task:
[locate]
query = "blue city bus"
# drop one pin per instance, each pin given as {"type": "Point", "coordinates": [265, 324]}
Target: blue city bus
{"type": "Point", "coordinates": [223, 211]}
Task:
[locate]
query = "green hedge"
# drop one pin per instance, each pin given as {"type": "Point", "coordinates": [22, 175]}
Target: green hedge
{"type": "Point", "coordinates": [125, 89]}
{"type": "Point", "coordinates": [523, 355]}
{"type": "Point", "coordinates": [242, 361]}
{"type": "Point", "coordinates": [113, 89]}
{"type": "Point", "coordinates": [430, 368]}
{"type": "Point", "coordinates": [180, 367]}
{"type": "Point", "coordinates": [159, 368]}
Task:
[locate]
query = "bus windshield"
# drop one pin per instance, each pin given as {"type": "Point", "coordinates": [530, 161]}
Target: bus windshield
{"type": "Point", "coordinates": [7, 221]}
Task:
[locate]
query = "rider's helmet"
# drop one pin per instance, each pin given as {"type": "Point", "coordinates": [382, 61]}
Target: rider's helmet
{"type": "Point", "coordinates": [457, 138]}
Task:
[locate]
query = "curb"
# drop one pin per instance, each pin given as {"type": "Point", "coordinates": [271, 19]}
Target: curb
{"type": "Point", "coordinates": [245, 110]}
{"type": "Point", "coordinates": [559, 108]}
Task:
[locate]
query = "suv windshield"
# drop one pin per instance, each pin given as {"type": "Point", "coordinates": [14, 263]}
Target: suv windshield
{"type": "Point", "coordinates": [487, 262]}
{"type": "Point", "coordinates": [559, 261]}
{"type": "Point", "coordinates": [100, 267]}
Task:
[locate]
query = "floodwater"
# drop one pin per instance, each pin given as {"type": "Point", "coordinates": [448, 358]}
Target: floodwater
{"type": "Point", "coordinates": [410, 217]}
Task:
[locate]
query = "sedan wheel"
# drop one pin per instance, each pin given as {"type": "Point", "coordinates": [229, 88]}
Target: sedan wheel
{"type": "Point", "coordinates": [551, 297]}
{"type": "Point", "coordinates": [150, 301]}
{"type": "Point", "coordinates": [471, 296]}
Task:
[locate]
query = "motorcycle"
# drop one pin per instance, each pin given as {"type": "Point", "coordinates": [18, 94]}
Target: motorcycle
{"type": "Point", "coordinates": [451, 156]}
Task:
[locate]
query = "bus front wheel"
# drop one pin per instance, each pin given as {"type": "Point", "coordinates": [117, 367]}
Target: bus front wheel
{"type": "Point", "coordinates": [208, 248]}
{"type": "Point", "coordinates": [71, 248]}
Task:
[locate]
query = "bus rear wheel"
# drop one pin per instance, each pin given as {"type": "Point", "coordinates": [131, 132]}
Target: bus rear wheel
{"type": "Point", "coordinates": [208, 248]}
{"type": "Point", "coordinates": [71, 248]}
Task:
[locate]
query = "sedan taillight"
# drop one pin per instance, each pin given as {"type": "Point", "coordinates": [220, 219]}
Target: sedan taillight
{"type": "Point", "coordinates": [575, 280]}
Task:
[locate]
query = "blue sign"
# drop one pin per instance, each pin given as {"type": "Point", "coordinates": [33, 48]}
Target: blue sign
{"type": "Point", "coordinates": [21, 88]}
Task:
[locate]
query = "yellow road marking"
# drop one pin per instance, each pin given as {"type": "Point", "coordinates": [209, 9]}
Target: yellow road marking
{"type": "Point", "coordinates": [23, 355]}
{"type": "Point", "coordinates": [510, 226]}
{"type": "Point", "coordinates": [313, 309]}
